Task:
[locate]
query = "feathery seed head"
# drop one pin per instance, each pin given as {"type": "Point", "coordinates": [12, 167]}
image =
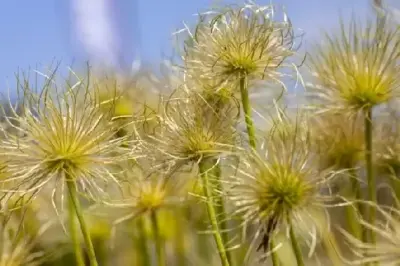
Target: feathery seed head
{"type": "Point", "coordinates": [128, 100]}
{"type": "Point", "coordinates": [188, 133]}
{"type": "Point", "coordinates": [150, 189]}
{"type": "Point", "coordinates": [278, 183]}
{"type": "Point", "coordinates": [357, 68]}
{"type": "Point", "coordinates": [64, 135]}
{"type": "Point", "coordinates": [238, 41]}
{"type": "Point", "coordinates": [338, 140]}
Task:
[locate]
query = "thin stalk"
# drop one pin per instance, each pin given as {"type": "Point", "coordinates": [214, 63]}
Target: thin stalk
{"type": "Point", "coordinates": [244, 94]}
{"type": "Point", "coordinates": [204, 167]}
{"type": "Point", "coordinates": [160, 251]}
{"type": "Point", "coordinates": [85, 232]}
{"type": "Point", "coordinates": [274, 255]}
{"type": "Point", "coordinates": [352, 211]}
{"type": "Point", "coordinates": [74, 234]}
{"type": "Point", "coordinates": [180, 243]}
{"type": "Point", "coordinates": [144, 253]}
{"type": "Point", "coordinates": [220, 207]}
{"type": "Point", "coordinates": [295, 245]}
{"type": "Point", "coordinates": [371, 181]}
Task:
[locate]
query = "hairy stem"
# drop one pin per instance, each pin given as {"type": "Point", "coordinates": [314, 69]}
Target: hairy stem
{"type": "Point", "coordinates": [160, 251]}
{"type": "Point", "coordinates": [220, 207]}
{"type": "Point", "coordinates": [204, 167]}
{"type": "Point", "coordinates": [85, 232]}
{"type": "Point", "coordinates": [244, 94]}
{"type": "Point", "coordinates": [295, 245]}
{"type": "Point", "coordinates": [75, 234]}
{"type": "Point", "coordinates": [371, 181]}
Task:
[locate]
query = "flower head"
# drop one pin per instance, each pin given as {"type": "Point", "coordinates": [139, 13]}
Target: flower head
{"type": "Point", "coordinates": [277, 184]}
{"type": "Point", "coordinates": [64, 137]}
{"type": "Point", "coordinates": [235, 42]}
{"type": "Point", "coordinates": [358, 67]}
{"type": "Point", "coordinates": [338, 140]}
{"type": "Point", "coordinates": [188, 133]}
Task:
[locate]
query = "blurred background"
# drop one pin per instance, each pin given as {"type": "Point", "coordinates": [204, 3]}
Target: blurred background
{"type": "Point", "coordinates": [114, 33]}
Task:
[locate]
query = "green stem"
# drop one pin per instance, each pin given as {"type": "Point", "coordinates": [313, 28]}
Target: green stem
{"type": "Point", "coordinates": [295, 245]}
{"type": "Point", "coordinates": [204, 167]}
{"type": "Point", "coordinates": [85, 232]}
{"type": "Point", "coordinates": [144, 253]}
{"type": "Point", "coordinates": [220, 207]}
{"type": "Point", "coordinates": [274, 255]}
{"type": "Point", "coordinates": [160, 251]}
{"type": "Point", "coordinates": [353, 210]}
{"type": "Point", "coordinates": [180, 242]}
{"type": "Point", "coordinates": [244, 94]}
{"type": "Point", "coordinates": [74, 234]}
{"type": "Point", "coordinates": [371, 181]}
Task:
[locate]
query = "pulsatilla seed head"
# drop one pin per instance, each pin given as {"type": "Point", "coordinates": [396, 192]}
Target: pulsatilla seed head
{"type": "Point", "coordinates": [64, 137]}
{"type": "Point", "coordinates": [338, 140]}
{"type": "Point", "coordinates": [357, 68]}
{"type": "Point", "coordinates": [188, 132]}
{"type": "Point", "coordinates": [278, 183]}
{"type": "Point", "coordinates": [238, 41]}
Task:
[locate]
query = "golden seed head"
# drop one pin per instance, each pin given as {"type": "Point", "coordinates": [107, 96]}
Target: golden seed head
{"type": "Point", "coordinates": [278, 182]}
{"type": "Point", "coordinates": [235, 42]}
{"type": "Point", "coordinates": [338, 140]}
{"type": "Point", "coordinates": [188, 132]}
{"type": "Point", "coordinates": [357, 68]}
{"type": "Point", "coordinates": [63, 134]}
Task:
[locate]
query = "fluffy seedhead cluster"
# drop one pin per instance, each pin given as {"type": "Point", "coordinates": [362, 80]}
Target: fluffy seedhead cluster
{"type": "Point", "coordinates": [149, 170]}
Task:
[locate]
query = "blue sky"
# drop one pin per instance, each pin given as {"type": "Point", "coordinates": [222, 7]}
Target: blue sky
{"type": "Point", "coordinates": [34, 33]}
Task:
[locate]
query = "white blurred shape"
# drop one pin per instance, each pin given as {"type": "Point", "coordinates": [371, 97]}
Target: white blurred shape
{"type": "Point", "coordinates": [95, 29]}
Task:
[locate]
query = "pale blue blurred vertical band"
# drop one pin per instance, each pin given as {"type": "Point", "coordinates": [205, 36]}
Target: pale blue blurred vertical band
{"type": "Point", "coordinates": [101, 29]}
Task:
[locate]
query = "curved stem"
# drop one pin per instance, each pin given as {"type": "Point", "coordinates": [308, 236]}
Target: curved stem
{"type": "Point", "coordinates": [78, 210]}
{"type": "Point", "coordinates": [295, 245]}
{"type": "Point", "coordinates": [371, 181]}
{"type": "Point", "coordinates": [204, 166]}
{"type": "Point", "coordinates": [158, 240]}
{"type": "Point", "coordinates": [74, 234]}
{"type": "Point", "coordinates": [244, 94]}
